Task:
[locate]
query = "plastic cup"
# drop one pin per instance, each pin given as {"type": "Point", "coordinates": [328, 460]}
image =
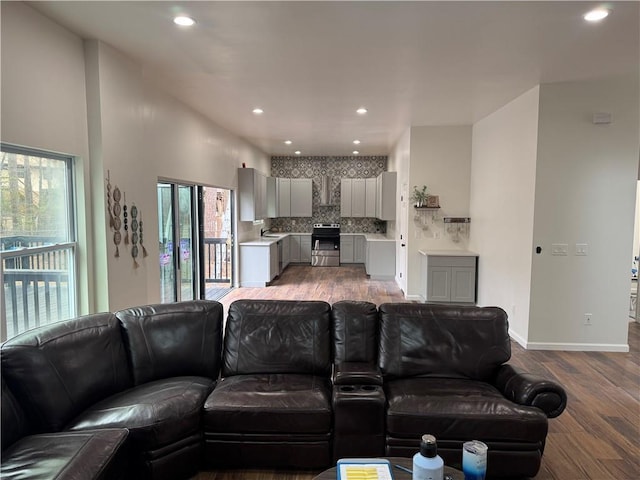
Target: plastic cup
{"type": "Point", "coordinates": [474, 460]}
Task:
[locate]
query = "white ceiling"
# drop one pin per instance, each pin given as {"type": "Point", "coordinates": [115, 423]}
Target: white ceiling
{"type": "Point", "coordinates": [310, 65]}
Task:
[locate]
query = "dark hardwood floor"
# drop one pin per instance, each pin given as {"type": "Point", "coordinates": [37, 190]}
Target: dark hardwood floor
{"type": "Point", "coordinates": [596, 438]}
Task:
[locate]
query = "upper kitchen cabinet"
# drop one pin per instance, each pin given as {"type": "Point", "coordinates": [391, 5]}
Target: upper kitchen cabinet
{"type": "Point", "coordinates": [278, 197]}
{"type": "Point", "coordinates": [252, 194]}
{"type": "Point", "coordinates": [301, 197]}
{"type": "Point", "coordinates": [289, 197]}
{"type": "Point", "coordinates": [386, 196]}
{"type": "Point", "coordinates": [371, 193]}
{"type": "Point", "coordinates": [353, 197]}
{"type": "Point", "coordinates": [283, 192]}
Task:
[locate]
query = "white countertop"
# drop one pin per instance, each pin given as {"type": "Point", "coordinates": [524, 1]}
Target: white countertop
{"type": "Point", "coordinates": [378, 237]}
{"type": "Point", "coordinates": [448, 253]}
{"type": "Point", "coordinates": [269, 238]}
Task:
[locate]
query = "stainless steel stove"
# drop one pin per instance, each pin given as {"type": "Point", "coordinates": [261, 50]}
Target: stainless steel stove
{"type": "Point", "coordinates": [325, 245]}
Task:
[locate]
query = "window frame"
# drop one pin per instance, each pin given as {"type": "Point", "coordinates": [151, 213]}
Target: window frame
{"type": "Point", "coordinates": [71, 242]}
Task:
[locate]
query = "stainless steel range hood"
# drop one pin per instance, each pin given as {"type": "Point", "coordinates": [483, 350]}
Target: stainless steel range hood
{"type": "Point", "coordinates": [325, 190]}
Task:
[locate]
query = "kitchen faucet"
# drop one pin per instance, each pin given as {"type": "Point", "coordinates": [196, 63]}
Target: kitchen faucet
{"type": "Point", "coordinates": [262, 232]}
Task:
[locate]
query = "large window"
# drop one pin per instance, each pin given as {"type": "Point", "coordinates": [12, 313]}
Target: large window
{"type": "Point", "coordinates": [37, 239]}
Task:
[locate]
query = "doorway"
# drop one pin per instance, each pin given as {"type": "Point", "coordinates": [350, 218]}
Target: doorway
{"type": "Point", "coordinates": [195, 235]}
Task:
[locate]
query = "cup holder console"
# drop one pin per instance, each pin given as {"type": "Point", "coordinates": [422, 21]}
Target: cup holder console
{"type": "Point", "coordinates": [358, 421]}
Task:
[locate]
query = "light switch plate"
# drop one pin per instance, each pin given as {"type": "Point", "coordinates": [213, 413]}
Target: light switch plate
{"type": "Point", "coordinates": [582, 249]}
{"type": "Point", "coordinates": [560, 249]}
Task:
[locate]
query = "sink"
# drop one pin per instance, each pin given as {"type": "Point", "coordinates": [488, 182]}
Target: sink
{"type": "Point", "coordinates": [269, 235]}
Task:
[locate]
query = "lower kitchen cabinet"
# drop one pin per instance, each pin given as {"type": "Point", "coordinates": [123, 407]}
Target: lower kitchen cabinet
{"type": "Point", "coordinates": [352, 249]}
{"type": "Point", "coordinates": [380, 261]}
{"type": "Point", "coordinates": [448, 276]}
{"type": "Point", "coordinates": [359, 249]}
{"type": "Point", "coordinates": [300, 248]}
{"type": "Point", "coordinates": [259, 264]}
{"type": "Point", "coordinates": [346, 248]}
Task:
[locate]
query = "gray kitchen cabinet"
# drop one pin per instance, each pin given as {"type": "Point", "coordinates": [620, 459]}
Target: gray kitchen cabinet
{"type": "Point", "coordinates": [252, 193]}
{"type": "Point", "coordinates": [300, 248]}
{"type": "Point", "coordinates": [352, 249]}
{"type": "Point", "coordinates": [305, 248]}
{"type": "Point", "coordinates": [294, 248]}
{"type": "Point", "coordinates": [345, 197]}
{"type": "Point", "coordinates": [371, 193]}
{"type": "Point", "coordinates": [283, 196]}
{"type": "Point", "coordinates": [301, 197]}
{"type": "Point", "coordinates": [258, 264]}
{"type": "Point", "coordinates": [289, 197]}
{"type": "Point", "coordinates": [286, 251]}
{"type": "Point", "coordinates": [357, 197]}
{"type": "Point", "coordinates": [447, 277]}
{"type": "Point", "coordinates": [380, 261]}
{"type": "Point", "coordinates": [346, 249]}
{"type": "Point", "coordinates": [359, 249]}
{"type": "Point", "coordinates": [386, 196]}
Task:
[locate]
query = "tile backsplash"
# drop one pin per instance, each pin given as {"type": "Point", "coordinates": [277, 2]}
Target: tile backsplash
{"type": "Point", "coordinates": [337, 168]}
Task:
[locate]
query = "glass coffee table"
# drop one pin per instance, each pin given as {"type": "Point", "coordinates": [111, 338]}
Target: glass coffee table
{"type": "Point", "coordinates": [399, 474]}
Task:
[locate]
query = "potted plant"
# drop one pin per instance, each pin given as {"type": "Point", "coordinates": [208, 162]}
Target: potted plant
{"type": "Point", "coordinates": [419, 196]}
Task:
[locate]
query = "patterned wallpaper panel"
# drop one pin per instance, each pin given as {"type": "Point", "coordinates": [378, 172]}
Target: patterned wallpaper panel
{"type": "Point", "coordinates": [337, 168]}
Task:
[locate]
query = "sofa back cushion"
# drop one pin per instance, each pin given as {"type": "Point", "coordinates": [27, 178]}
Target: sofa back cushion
{"type": "Point", "coordinates": [277, 336]}
{"type": "Point", "coordinates": [442, 340]}
{"type": "Point", "coordinates": [59, 370]}
{"type": "Point", "coordinates": [173, 340]}
{"type": "Point", "coordinates": [355, 332]}
{"type": "Point", "coordinates": [14, 421]}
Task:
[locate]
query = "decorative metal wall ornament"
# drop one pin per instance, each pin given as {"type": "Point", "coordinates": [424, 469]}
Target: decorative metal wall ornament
{"type": "Point", "coordinates": [126, 221]}
{"type": "Point", "coordinates": [117, 237]}
{"type": "Point", "coordinates": [134, 235]}
{"type": "Point", "coordinates": [109, 199]}
{"type": "Point", "coordinates": [144, 250]}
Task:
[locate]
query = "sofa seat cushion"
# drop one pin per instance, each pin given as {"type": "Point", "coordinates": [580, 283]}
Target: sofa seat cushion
{"type": "Point", "coordinates": [157, 413]}
{"type": "Point", "coordinates": [459, 409]}
{"type": "Point", "coordinates": [63, 455]}
{"type": "Point", "coordinates": [269, 403]}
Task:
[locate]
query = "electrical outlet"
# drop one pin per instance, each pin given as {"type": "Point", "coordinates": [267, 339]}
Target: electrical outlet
{"type": "Point", "coordinates": [436, 235]}
{"type": "Point", "coordinates": [587, 319]}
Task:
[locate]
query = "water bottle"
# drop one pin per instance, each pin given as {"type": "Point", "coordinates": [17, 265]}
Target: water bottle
{"type": "Point", "coordinates": [427, 464]}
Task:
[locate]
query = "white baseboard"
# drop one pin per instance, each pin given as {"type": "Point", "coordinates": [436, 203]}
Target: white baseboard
{"type": "Point", "coordinates": [569, 347]}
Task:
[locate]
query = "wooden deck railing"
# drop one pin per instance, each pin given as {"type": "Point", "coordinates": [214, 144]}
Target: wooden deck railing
{"type": "Point", "coordinates": [36, 282]}
{"type": "Point", "coordinates": [217, 260]}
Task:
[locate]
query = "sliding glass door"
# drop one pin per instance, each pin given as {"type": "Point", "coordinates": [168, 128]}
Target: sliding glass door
{"type": "Point", "coordinates": [179, 267]}
{"type": "Point", "coordinates": [195, 233]}
{"type": "Point", "coordinates": [216, 242]}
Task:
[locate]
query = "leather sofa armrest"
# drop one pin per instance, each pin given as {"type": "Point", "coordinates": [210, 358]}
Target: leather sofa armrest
{"type": "Point", "coordinates": [532, 390]}
{"type": "Point", "coordinates": [356, 373]}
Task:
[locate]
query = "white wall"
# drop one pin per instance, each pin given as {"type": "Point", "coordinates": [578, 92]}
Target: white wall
{"type": "Point", "coordinates": [585, 193]}
{"type": "Point", "coordinates": [137, 132]}
{"type": "Point", "coordinates": [503, 174]}
{"type": "Point", "coordinates": [44, 106]}
{"type": "Point", "coordinates": [440, 159]}
{"type": "Point", "coordinates": [148, 135]}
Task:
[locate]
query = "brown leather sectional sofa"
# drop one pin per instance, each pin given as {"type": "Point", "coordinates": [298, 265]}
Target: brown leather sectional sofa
{"type": "Point", "coordinates": [156, 392]}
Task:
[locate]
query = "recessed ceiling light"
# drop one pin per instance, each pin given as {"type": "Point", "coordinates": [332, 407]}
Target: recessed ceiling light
{"type": "Point", "coordinates": [356, 142]}
{"type": "Point", "coordinates": [184, 21]}
{"type": "Point", "coordinates": [258, 111]}
{"type": "Point", "coordinates": [356, 152]}
{"type": "Point", "coordinates": [288, 142]}
{"type": "Point", "coordinates": [361, 111]}
{"type": "Point", "coordinates": [297, 152]}
{"type": "Point", "coordinates": [596, 15]}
